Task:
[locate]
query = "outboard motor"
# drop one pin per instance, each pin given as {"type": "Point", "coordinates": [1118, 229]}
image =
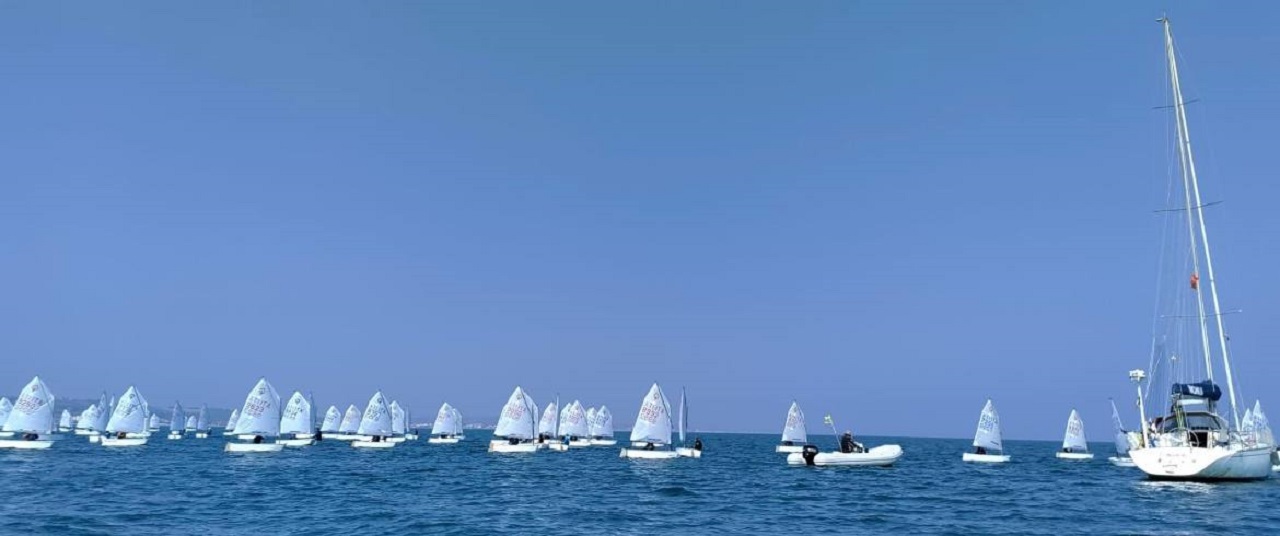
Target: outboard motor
{"type": "Point", "coordinates": [809, 452]}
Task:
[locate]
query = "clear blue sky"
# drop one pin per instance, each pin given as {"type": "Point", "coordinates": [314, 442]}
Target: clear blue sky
{"type": "Point", "coordinates": [890, 211]}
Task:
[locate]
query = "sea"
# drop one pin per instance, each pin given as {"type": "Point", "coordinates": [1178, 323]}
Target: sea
{"type": "Point", "coordinates": [739, 486]}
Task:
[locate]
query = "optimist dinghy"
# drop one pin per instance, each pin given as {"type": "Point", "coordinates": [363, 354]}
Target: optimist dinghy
{"type": "Point", "coordinates": [31, 420]}
{"type": "Point", "coordinates": [398, 428]}
{"type": "Point", "coordinates": [64, 422]}
{"type": "Point", "coordinates": [1121, 459]}
{"type": "Point", "coordinates": [259, 420]}
{"type": "Point", "coordinates": [177, 420]}
{"type": "Point", "coordinates": [447, 429]}
{"type": "Point", "coordinates": [573, 426]}
{"type": "Point", "coordinates": [987, 442]}
{"type": "Point", "coordinates": [202, 423]}
{"type": "Point", "coordinates": [295, 422]}
{"type": "Point", "coordinates": [1074, 445]}
{"type": "Point", "coordinates": [652, 430]}
{"type": "Point", "coordinates": [231, 422]}
{"type": "Point", "coordinates": [516, 426]}
{"type": "Point", "coordinates": [375, 425]}
{"type": "Point", "coordinates": [332, 419]}
{"type": "Point", "coordinates": [128, 425]}
{"type": "Point", "coordinates": [602, 428]}
{"type": "Point", "coordinates": [682, 451]}
{"type": "Point", "coordinates": [350, 424]}
{"type": "Point", "coordinates": [794, 433]}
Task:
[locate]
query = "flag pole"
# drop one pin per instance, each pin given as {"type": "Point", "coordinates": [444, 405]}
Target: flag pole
{"type": "Point", "coordinates": [832, 423]}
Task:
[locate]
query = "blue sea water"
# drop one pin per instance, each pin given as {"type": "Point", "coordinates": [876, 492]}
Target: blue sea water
{"type": "Point", "coordinates": [740, 486]}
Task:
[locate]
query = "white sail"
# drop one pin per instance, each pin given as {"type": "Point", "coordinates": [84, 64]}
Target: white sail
{"type": "Point", "coordinates": [1074, 440]}
{"type": "Point", "coordinates": [64, 422]}
{"type": "Point", "coordinates": [445, 423]}
{"type": "Point", "coordinates": [87, 417]}
{"type": "Point", "coordinates": [33, 412]}
{"type": "Point", "coordinates": [547, 424]}
{"type": "Point", "coordinates": [591, 422]}
{"type": "Point", "coordinates": [794, 430]}
{"type": "Point", "coordinates": [653, 424]}
{"type": "Point", "coordinates": [604, 423]}
{"type": "Point", "coordinates": [177, 418]}
{"type": "Point", "coordinates": [260, 414]}
{"type": "Point", "coordinates": [397, 418]}
{"type": "Point", "coordinates": [377, 417]}
{"type": "Point", "coordinates": [201, 422]}
{"type": "Point", "coordinates": [296, 418]}
{"type": "Point", "coordinates": [573, 422]}
{"type": "Point", "coordinates": [350, 420]}
{"type": "Point", "coordinates": [1261, 427]}
{"type": "Point", "coordinates": [105, 409]}
{"type": "Point", "coordinates": [332, 419]}
{"type": "Point", "coordinates": [129, 414]}
{"type": "Point", "coordinates": [1122, 439]}
{"type": "Point", "coordinates": [192, 424]}
{"type": "Point", "coordinates": [153, 422]}
{"type": "Point", "coordinates": [457, 422]}
{"type": "Point", "coordinates": [5, 408]}
{"type": "Point", "coordinates": [517, 418]}
{"type": "Point", "coordinates": [988, 435]}
{"type": "Point", "coordinates": [1246, 425]}
{"type": "Point", "coordinates": [231, 421]}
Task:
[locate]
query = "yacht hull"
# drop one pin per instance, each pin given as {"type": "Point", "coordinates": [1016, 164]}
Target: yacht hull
{"type": "Point", "coordinates": [1204, 464]}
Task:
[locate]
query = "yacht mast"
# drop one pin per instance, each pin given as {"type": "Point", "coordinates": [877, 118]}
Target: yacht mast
{"type": "Point", "coordinates": [1194, 205]}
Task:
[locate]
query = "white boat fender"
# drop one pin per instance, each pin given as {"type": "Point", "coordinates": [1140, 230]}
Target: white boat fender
{"type": "Point", "coordinates": [809, 453]}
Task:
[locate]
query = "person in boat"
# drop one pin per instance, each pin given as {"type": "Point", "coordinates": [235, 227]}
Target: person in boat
{"type": "Point", "coordinates": [377, 439]}
{"type": "Point", "coordinates": [319, 435]}
{"type": "Point", "coordinates": [513, 441]}
{"type": "Point", "coordinates": [980, 450]}
{"type": "Point", "coordinates": [848, 445]}
{"type": "Point", "coordinates": [649, 446]}
{"type": "Point", "coordinates": [30, 436]}
{"type": "Point", "coordinates": [257, 440]}
{"type": "Point", "coordinates": [697, 443]}
{"type": "Point", "coordinates": [787, 443]}
{"type": "Point", "coordinates": [121, 435]}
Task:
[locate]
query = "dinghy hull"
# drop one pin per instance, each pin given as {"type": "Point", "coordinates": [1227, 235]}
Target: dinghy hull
{"type": "Point", "coordinates": [604, 442]}
{"type": "Point", "coordinates": [1078, 456]}
{"type": "Point", "coordinates": [202, 435]}
{"type": "Point", "coordinates": [175, 436]}
{"type": "Point", "coordinates": [20, 444]}
{"type": "Point", "coordinates": [95, 438]}
{"type": "Point", "coordinates": [362, 444]}
{"type": "Point", "coordinates": [108, 441]}
{"type": "Point", "coordinates": [986, 458]}
{"type": "Point", "coordinates": [557, 447]}
{"type": "Point", "coordinates": [880, 456]}
{"type": "Point", "coordinates": [296, 442]}
{"type": "Point", "coordinates": [688, 453]}
{"type": "Point", "coordinates": [787, 449]}
{"type": "Point", "coordinates": [399, 439]}
{"type": "Point", "coordinates": [504, 447]}
{"type": "Point", "coordinates": [1121, 461]}
{"type": "Point", "coordinates": [253, 447]}
{"type": "Point", "coordinates": [1204, 464]}
{"type": "Point", "coordinates": [80, 431]}
{"type": "Point", "coordinates": [443, 440]}
{"type": "Point", "coordinates": [639, 454]}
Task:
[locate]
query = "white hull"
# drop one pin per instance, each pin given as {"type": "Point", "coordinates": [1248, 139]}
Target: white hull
{"type": "Point", "coordinates": [202, 435]}
{"type": "Point", "coordinates": [21, 444]}
{"type": "Point", "coordinates": [604, 442]}
{"type": "Point", "coordinates": [95, 438]}
{"type": "Point", "coordinates": [1074, 455]}
{"type": "Point", "coordinates": [175, 436]}
{"type": "Point", "coordinates": [789, 448]}
{"type": "Point", "coordinates": [253, 447]}
{"type": "Point", "coordinates": [442, 440]}
{"type": "Point", "coordinates": [877, 457]}
{"type": "Point", "coordinates": [108, 441]}
{"type": "Point", "coordinates": [361, 444]}
{"type": "Point", "coordinates": [1122, 461]}
{"type": "Point", "coordinates": [557, 447]}
{"type": "Point", "coordinates": [343, 437]}
{"type": "Point", "coordinates": [411, 437]}
{"type": "Point", "coordinates": [1191, 463]}
{"type": "Point", "coordinates": [688, 453]}
{"type": "Point", "coordinates": [640, 454]}
{"type": "Point", "coordinates": [504, 447]}
{"type": "Point", "coordinates": [296, 442]}
{"type": "Point", "coordinates": [399, 439]}
{"type": "Point", "coordinates": [986, 458]}
{"type": "Point", "coordinates": [81, 431]}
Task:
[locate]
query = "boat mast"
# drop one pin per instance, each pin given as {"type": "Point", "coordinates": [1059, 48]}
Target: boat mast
{"type": "Point", "coordinates": [1193, 195]}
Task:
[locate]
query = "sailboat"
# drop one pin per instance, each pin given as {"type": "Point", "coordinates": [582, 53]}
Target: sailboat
{"type": "Point", "coordinates": [591, 423]}
{"type": "Point", "coordinates": [1121, 459]}
{"type": "Point", "coordinates": [295, 422]}
{"type": "Point", "coordinates": [1260, 430]}
{"type": "Point", "coordinates": [176, 421]}
{"type": "Point", "coordinates": [259, 420]}
{"type": "Point", "coordinates": [1074, 444]}
{"type": "Point", "coordinates": [397, 423]}
{"type": "Point", "coordinates": [153, 423]}
{"type": "Point", "coordinates": [554, 442]}
{"type": "Point", "coordinates": [602, 428]}
{"type": "Point", "coordinates": [794, 433]}
{"type": "Point", "coordinates": [682, 451]}
{"type": "Point", "coordinates": [231, 422]}
{"type": "Point", "coordinates": [189, 428]}
{"type": "Point", "coordinates": [410, 433]}
{"type": "Point", "coordinates": [127, 426]}
{"type": "Point", "coordinates": [515, 430]}
{"type": "Point", "coordinates": [988, 443]}
{"type": "Point", "coordinates": [31, 419]}
{"type": "Point", "coordinates": [447, 427]}
{"type": "Point", "coordinates": [350, 424]}
{"type": "Point", "coordinates": [105, 410]}
{"type": "Point", "coordinates": [1191, 441]}
{"type": "Point", "coordinates": [64, 422]}
{"type": "Point", "coordinates": [547, 424]}
{"type": "Point", "coordinates": [202, 423]}
{"type": "Point", "coordinates": [6, 407]}
{"type": "Point", "coordinates": [652, 430]}
{"type": "Point", "coordinates": [332, 419]}
{"type": "Point", "coordinates": [375, 424]}
{"type": "Point", "coordinates": [84, 423]}
{"type": "Point", "coordinates": [573, 425]}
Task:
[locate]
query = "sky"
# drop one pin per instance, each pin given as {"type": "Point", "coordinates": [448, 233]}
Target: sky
{"type": "Point", "coordinates": [888, 211]}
